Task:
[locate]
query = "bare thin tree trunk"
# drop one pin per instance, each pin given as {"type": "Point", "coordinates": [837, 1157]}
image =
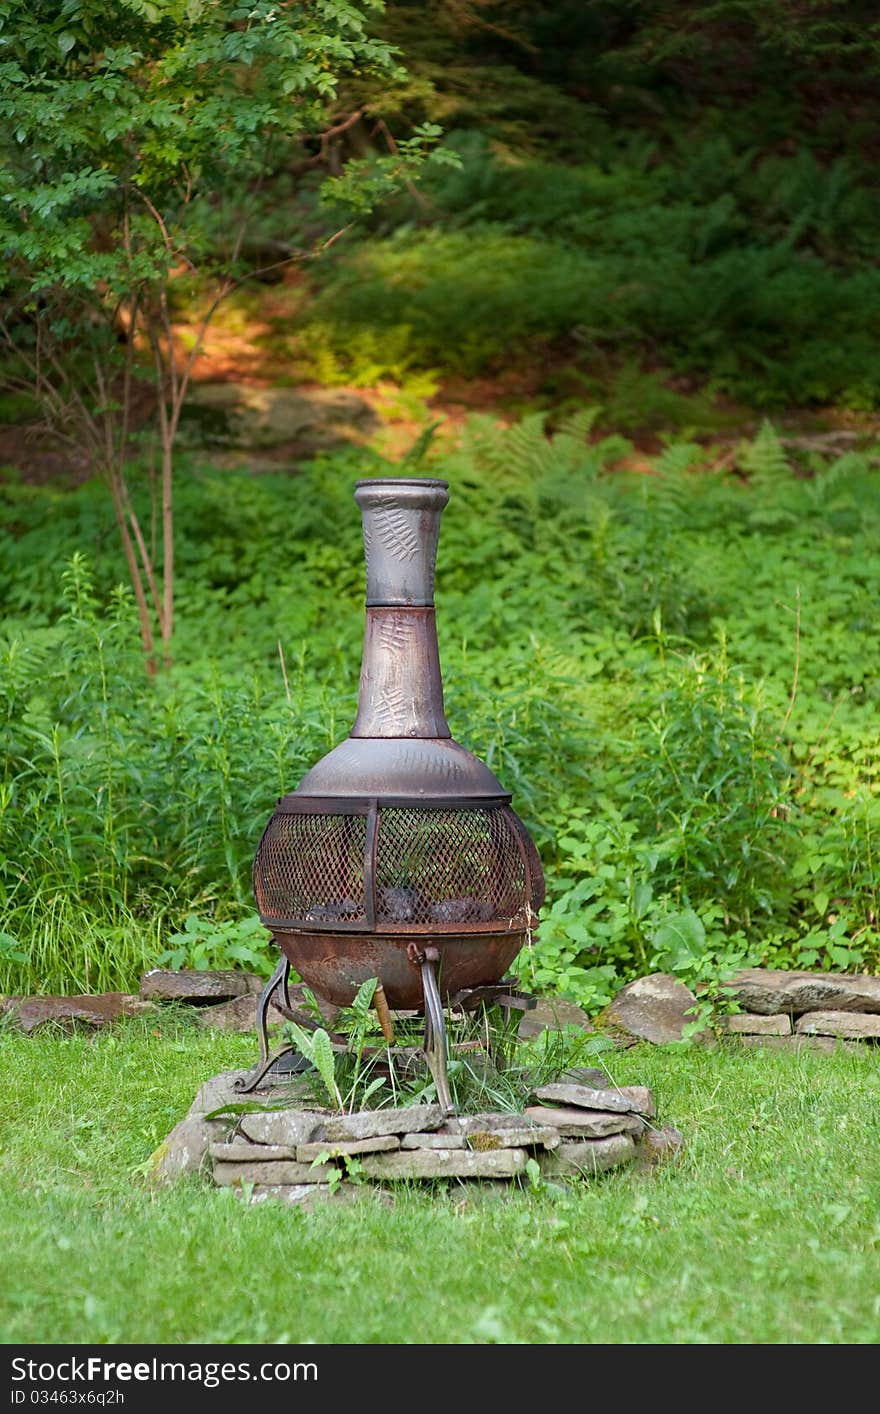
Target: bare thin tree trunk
{"type": "Point", "coordinates": [148, 558]}
{"type": "Point", "coordinates": [167, 624]}
{"type": "Point", "coordinates": [137, 583]}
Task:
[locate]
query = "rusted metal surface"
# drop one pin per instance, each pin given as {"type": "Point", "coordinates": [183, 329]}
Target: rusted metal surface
{"type": "Point", "coordinates": [504, 994]}
{"type": "Point", "coordinates": [436, 1046]}
{"type": "Point", "coordinates": [277, 984]}
{"type": "Point", "coordinates": [334, 965]}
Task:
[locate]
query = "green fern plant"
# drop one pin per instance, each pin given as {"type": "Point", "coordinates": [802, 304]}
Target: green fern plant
{"type": "Point", "coordinates": [764, 459]}
{"type": "Point", "coordinates": [679, 458]}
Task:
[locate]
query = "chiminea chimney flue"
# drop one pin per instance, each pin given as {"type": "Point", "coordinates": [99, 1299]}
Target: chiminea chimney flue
{"type": "Point", "coordinates": [401, 691]}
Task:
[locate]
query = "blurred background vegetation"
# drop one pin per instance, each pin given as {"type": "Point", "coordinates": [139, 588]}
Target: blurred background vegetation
{"type": "Point", "coordinates": [653, 199]}
{"type": "Point", "coordinates": [633, 318]}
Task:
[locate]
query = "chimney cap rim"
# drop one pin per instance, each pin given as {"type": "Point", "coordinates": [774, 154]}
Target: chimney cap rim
{"type": "Point", "coordinates": [398, 481]}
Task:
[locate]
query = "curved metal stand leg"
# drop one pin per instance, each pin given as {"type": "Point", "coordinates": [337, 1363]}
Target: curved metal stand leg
{"type": "Point", "coordinates": [285, 982]}
{"type": "Point", "coordinates": [435, 1030]}
{"type": "Point", "coordinates": [246, 1083]}
{"type": "Point", "coordinates": [280, 978]}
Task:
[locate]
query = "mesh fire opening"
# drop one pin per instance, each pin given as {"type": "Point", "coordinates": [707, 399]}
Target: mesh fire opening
{"type": "Point", "coordinates": [397, 868]}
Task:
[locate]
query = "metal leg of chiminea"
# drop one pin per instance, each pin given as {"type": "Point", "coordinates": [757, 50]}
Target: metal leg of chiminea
{"type": "Point", "coordinates": [435, 1046]}
{"type": "Point", "coordinates": [280, 979]}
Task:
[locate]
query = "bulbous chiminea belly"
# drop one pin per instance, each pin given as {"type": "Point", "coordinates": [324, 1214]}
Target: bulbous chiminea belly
{"type": "Point", "coordinates": [334, 965]}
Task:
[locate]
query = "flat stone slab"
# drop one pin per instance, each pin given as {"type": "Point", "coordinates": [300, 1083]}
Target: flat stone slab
{"type": "Point", "coordinates": [370, 1123]}
{"type": "Point", "coordinates": [239, 1014]}
{"type": "Point", "coordinates": [595, 1079]}
{"type": "Point", "coordinates": [437, 1140]}
{"type": "Point", "coordinates": [535, 1136]}
{"type": "Point", "coordinates": [763, 990]}
{"type": "Point", "coordinates": [289, 1127]}
{"type": "Point", "coordinates": [593, 1124]}
{"type": "Point", "coordinates": [588, 1156]}
{"type": "Point", "coordinates": [239, 1151]}
{"type": "Point", "coordinates": [746, 1023]}
{"type": "Point", "coordinates": [655, 1008]}
{"type": "Point", "coordinates": [553, 1014]}
{"type": "Point", "coordinates": [585, 1098]}
{"type": "Point", "coordinates": [274, 1172]}
{"type": "Point", "coordinates": [853, 1024]}
{"type": "Point", "coordinates": [220, 1090]}
{"type": "Point", "coordinates": [488, 1120]}
{"type": "Point", "coordinates": [188, 985]}
{"type": "Point", "coordinates": [29, 1013]}
{"type": "Point", "coordinates": [379, 1143]}
{"type": "Point", "coordinates": [446, 1163]}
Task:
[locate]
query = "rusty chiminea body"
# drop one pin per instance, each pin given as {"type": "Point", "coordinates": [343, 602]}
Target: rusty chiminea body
{"type": "Point", "coordinates": [398, 855]}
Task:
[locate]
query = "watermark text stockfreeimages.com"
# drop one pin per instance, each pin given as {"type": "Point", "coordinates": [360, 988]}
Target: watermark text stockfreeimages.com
{"type": "Point", "coordinates": [208, 1373]}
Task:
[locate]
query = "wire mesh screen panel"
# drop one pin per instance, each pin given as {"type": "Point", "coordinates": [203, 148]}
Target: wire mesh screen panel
{"type": "Point", "coordinates": [448, 867]}
{"type": "Point", "coordinates": [538, 887]}
{"type": "Point", "coordinates": [310, 869]}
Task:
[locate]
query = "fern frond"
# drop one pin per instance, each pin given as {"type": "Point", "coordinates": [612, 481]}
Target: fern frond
{"type": "Point", "coordinates": [839, 476]}
{"type": "Point", "coordinates": [579, 424]}
{"type": "Point", "coordinates": [764, 458]}
{"type": "Point", "coordinates": [679, 458]}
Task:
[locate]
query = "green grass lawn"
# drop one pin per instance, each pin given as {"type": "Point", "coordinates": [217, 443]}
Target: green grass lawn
{"type": "Point", "coordinates": [767, 1231]}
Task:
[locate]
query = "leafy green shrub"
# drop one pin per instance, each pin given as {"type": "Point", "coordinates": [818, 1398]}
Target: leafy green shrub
{"type": "Point", "coordinates": [205, 944]}
{"type": "Point", "coordinates": [712, 790]}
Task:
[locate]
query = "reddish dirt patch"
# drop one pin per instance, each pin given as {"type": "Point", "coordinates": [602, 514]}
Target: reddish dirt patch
{"type": "Point", "coordinates": [229, 356]}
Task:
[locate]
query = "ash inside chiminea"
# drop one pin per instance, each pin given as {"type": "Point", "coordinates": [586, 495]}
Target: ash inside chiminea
{"type": "Point", "coordinates": [398, 855]}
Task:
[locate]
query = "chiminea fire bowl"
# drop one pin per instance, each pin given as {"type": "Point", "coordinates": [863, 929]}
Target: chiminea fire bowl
{"type": "Point", "coordinates": [398, 856]}
{"type": "Point", "coordinates": [354, 889]}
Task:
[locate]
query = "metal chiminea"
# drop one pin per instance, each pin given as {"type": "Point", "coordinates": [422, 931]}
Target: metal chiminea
{"type": "Point", "coordinates": [398, 855]}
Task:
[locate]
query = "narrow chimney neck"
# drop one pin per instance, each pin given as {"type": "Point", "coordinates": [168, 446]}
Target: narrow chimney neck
{"type": "Point", "coordinates": [401, 518]}
{"type": "Point", "coordinates": [401, 688]}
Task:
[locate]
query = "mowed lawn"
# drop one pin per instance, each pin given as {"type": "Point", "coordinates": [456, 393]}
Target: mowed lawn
{"type": "Point", "coordinates": [767, 1231]}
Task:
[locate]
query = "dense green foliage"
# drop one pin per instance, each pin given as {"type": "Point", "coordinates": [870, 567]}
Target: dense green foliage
{"type": "Point", "coordinates": [675, 671]}
{"type": "Point", "coordinates": [702, 262]}
{"type": "Point", "coordinates": [765, 1232]}
{"type": "Point", "coordinates": [134, 139]}
{"type": "Point", "coordinates": [124, 126]}
{"type": "Point", "coordinates": [622, 648]}
{"type": "Point", "coordinates": [687, 188]}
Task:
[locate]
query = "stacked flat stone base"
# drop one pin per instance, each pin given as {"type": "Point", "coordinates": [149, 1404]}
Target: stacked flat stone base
{"type": "Point", "coordinates": [804, 1011]}
{"type": "Point", "coordinates": [300, 1155]}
